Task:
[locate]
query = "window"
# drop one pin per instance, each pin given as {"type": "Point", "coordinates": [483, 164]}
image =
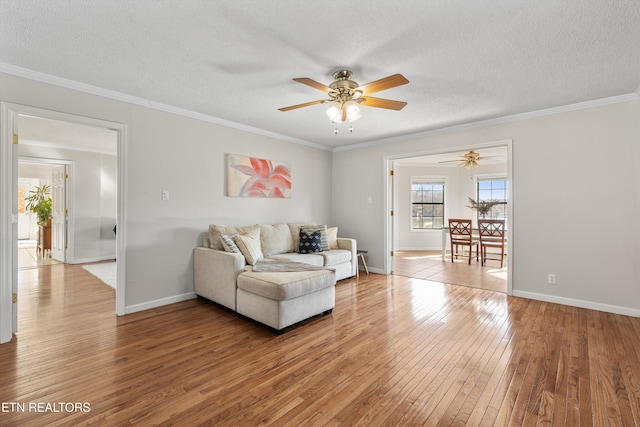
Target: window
{"type": "Point", "coordinates": [494, 189]}
{"type": "Point", "coordinates": [427, 203]}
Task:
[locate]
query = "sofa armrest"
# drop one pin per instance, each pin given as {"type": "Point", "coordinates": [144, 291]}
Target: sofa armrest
{"type": "Point", "coordinates": [350, 245]}
{"type": "Point", "coordinates": [215, 273]}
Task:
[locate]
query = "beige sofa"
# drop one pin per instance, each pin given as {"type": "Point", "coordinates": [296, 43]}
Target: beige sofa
{"type": "Point", "coordinates": [294, 292]}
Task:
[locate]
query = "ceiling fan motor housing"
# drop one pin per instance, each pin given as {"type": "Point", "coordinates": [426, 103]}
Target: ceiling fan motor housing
{"type": "Point", "coordinates": [343, 89]}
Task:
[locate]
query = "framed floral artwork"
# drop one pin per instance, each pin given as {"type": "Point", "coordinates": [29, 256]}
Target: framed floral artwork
{"type": "Point", "coordinates": [253, 177]}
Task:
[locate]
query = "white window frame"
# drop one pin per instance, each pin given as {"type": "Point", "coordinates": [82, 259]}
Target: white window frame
{"type": "Point", "coordinates": [442, 179]}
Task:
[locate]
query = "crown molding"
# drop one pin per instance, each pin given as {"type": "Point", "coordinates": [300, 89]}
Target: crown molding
{"type": "Point", "coordinates": [106, 93]}
{"type": "Point", "coordinates": [500, 120]}
{"type": "Point", "coordinates": [118, 96]}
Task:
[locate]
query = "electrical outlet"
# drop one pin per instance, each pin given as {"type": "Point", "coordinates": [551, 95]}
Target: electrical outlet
{"type": "Point", "coordinates": [165, 195]}
{"type": "Point", "coordinates": [551, 279]}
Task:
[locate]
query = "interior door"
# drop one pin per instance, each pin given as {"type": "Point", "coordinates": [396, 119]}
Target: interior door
{"type": "Point", "coordinates": [24, 215]}
{"type": "Point", "coordinates": [392, 219]}
{"type": "Point", "coordinates": [14, 221]}
{"type": "Point", "coordinates": [59, 213]}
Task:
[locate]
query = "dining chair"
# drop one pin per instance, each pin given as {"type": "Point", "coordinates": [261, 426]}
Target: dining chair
{"type": "Point", "coordinates": [461, 234]}
{"type": "Point", "coordinates": [491, 236]}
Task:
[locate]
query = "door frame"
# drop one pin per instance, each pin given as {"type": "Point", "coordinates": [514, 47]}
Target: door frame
{"type": "Point", "coordinates": [9, 113]}
{"type": "Point", "coordinates": [388, 223]}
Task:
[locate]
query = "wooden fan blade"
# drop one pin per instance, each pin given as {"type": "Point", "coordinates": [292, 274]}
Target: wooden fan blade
{"type": "Point", "coordinates": [314, 84]}
{"type": "Point", "coordinates": [390, 104]}
{"type": "Point", "coordinates": [306, 104]}
{"type": "Point", "coordinates": [382, 84]}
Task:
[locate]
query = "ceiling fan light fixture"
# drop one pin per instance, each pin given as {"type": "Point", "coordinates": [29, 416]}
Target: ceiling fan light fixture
{"type": "Point", "coordinates": [353, 111]}
{"type": "Point", "coordinates": [335, 112]}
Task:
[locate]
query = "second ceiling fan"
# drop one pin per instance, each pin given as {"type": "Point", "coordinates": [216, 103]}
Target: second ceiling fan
{"type": "Point", "coordinates": [346, 95]}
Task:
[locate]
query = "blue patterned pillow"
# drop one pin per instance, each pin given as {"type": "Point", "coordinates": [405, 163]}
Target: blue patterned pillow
{"type": "Point", "coordinates": [310, 242]}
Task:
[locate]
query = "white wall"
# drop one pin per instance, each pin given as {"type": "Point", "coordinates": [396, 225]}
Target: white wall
{"type": "Point", "coordinates": [576, 180]}
{"type": "Point", "coordinates": [185, 156]}
{"type": "Point", "coordinates": [460, 184]}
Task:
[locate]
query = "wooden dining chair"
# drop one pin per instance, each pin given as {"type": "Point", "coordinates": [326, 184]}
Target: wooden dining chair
{"type": "Point", "coordinates": [461, 234]}
{"type": "Point", "coordinates": [491, 236]}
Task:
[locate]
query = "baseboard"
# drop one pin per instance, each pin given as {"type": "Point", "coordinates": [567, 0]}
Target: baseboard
{"type": "Point", "coordinates": [159, 303]}
{"type": "Point", "coordinates": [626, 311]}
{"type": "Point", "coordinates": [89, 260]}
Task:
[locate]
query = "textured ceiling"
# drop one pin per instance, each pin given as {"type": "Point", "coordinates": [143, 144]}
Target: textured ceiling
{"type": "Point", "coordinates": [467, 61]}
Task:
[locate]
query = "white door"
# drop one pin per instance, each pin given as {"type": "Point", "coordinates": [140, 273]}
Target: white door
{"type": "Point", "coordinates": [59, 213]}
{"type": "Point", "coordinates": [24, 216]}
{"type": "Point", "coordinates": [391, 220]}
{"type": "Point", "coordinates": [14, 228]}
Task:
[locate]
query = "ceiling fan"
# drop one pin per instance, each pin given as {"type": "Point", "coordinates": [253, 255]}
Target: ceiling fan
{"type": "Point", "coordinates": [346, 95]}
{"type": "Point", "coordinates": [472, 159]}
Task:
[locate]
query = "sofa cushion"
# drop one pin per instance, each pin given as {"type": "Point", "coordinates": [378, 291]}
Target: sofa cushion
{"type": "Point", "coordinates": [285, 285]}
{"type": "Point", "coordinates": [324, 236]}
{"type": "Point", "coordinates": [310, 242]}
{"type": "Point", "coordinates": [314, 258]}
{"type": "Point", "coordinates": [275, 239]}
{"type": "Point", "coordinates": [335, 256]}
{"type": "Point", "coordinates": [249, 245]}
{"type": "Point", "coordinates": [215, 232]}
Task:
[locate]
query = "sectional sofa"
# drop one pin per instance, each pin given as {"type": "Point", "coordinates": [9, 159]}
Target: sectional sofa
{"type": "Point", "coordinates": [276, 274]}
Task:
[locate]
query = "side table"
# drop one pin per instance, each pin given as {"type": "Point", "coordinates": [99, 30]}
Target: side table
{"type": "Point", "coordinates": [360, 254]}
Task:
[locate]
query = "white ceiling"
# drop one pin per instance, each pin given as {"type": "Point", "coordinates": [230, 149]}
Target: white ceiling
{"type": "Point", "coordinates": [233, 61]}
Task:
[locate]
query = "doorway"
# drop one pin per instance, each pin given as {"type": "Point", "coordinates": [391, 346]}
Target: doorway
{"type": "Point", "coordinates": [12, 131]}
{"type": "Point", "coordinates": [54, 174]}
{"type": "Point", "coordinates": [416, 250]}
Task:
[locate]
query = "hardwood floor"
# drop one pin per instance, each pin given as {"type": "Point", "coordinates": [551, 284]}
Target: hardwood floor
{"type": "Point", "coordinates": [395, 351]}
{"type": "Point", "coordinates": [428, 265]}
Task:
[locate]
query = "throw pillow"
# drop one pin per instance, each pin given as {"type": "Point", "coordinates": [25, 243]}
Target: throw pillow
{"type": "Point", "coordinates": [228, 243]}
{"type": "Point", "coordinates": [324, 236]}
{"type": "Point", "coordinates": [216, 231]}
{"type": "Point", "coordinates": [249, 245]}
{"type": "Point", "coordinates": [295, 232]}
{"type": "Point", "coordinates": [310, 242]}
{"type": "Point", "coordinates": [332, 233]}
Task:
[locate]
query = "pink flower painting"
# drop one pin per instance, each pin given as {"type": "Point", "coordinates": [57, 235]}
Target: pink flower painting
{"type": "Point", "coordinates": [253, 177]}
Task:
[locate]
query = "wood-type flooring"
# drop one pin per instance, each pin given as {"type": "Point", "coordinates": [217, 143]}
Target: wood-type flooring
{"type": "Point", "coordinates": [396, 351]}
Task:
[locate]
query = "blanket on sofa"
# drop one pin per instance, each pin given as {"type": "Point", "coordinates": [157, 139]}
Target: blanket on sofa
{"type": "Point", "coordinates": [282, 266]}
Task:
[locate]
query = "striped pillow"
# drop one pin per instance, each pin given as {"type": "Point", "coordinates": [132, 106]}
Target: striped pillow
{"type": "Point", "coordinates": [249, 245]}
{"type": "Point", "coordinates": [228, 244]}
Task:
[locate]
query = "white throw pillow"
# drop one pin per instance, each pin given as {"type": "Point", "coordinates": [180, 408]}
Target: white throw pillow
{"type": "Point", "coordinates": [249, 245]}
{"type": "Point", "coordinates": [332, 233]}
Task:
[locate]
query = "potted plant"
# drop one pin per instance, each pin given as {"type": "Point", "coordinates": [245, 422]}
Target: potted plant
{"type": "Point", "coordinates": [483, 206]}
{"type": "Point", "coordinates": [40, 203]}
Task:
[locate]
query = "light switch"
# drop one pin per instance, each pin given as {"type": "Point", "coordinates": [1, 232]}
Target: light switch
{"type": "Point", "coordinates": [165, 194]}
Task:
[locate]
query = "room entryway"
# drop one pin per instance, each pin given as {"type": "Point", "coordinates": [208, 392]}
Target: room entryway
{"type": "Point", "coordinates": [428, 265]}
{"type": "Point", "coordinates": [84, 145]}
